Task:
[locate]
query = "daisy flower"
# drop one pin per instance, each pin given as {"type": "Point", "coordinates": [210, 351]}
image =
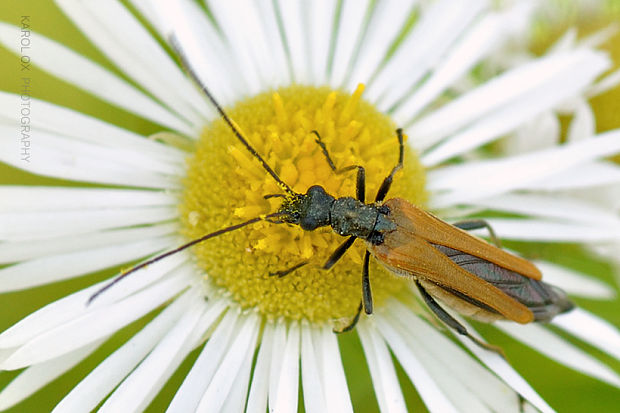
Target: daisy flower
{"type": "Point", "coordinates": [568, 23]}
{"type": "Point", "coordinates": [250, 311]}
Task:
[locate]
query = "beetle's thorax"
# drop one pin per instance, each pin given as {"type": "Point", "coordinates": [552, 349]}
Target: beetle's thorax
{"type": "Point", "coordinates": [347, 216]}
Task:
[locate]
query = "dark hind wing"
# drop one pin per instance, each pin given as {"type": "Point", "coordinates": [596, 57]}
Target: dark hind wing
{"type": "Point", "coordinates": [544, 300]}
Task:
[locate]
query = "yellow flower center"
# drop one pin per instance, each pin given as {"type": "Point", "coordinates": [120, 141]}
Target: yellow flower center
{"type": "Point", "coordinates": [226, 185]}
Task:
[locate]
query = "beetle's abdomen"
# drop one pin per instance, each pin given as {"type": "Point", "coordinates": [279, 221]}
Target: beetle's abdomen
{"type": "Point", "coordinates": [544, 300]}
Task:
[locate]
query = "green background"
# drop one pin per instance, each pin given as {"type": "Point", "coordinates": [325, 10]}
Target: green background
{"type": "Point", "coordinates": [563, 389]}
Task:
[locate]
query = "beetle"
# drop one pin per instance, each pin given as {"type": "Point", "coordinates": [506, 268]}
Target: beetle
{"type": "Point", "coordinates": [444, 261]}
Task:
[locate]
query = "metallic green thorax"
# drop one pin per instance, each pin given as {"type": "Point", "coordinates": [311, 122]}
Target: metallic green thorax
{"type": "Point", "coordinates": [347, 216]}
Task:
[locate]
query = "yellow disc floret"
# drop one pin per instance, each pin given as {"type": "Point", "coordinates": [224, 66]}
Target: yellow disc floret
{"type": "Point", "coordinates": [226, 185]}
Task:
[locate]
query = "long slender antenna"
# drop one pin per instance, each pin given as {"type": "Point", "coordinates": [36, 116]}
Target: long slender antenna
{"type": "Point", "coordinates": [185, 62]}
{"type": "Point", "coordinates": [179, 249]}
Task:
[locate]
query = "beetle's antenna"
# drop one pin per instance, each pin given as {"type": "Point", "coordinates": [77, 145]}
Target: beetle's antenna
{"type": "Point", "coordinates": [179, 249]}
{"type": "Point", "coordinates": [188, 68]}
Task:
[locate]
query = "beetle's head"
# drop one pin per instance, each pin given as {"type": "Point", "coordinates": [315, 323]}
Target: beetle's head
{"type": "Point", "coordinates": [310, 210]}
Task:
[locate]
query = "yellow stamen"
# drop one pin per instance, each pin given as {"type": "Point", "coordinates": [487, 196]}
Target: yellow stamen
{"type": "Point", "coordinates": [351, 105]}
{"type": "Point", "coordinates": [279, 109]}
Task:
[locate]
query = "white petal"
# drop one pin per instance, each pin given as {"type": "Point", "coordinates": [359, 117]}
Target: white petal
{"type": "Point", "coordinates": [600, 36]}
{"type": "Point", "coordinates": [196, 381]}
{"type": "Point", "coordinates": [335, 388]}
{"type": "Point", "coordinates": [320, 26]}
{"type": "Point", "coordinates": [40, 271]}
{"type": "Point", "coordinates": [541, 132]}
{"type": "Point", "coordinates": [61, 157]}
{"type": "Point", "coordinates": [607, 196]}
{"type": "Point", "coordinates": [248, 40]}
{"type": "Point", "coordinates": [75, 69]}
{"type": "Point", "coordinates": [228, 373]}
{"type": "Point", "coordinates": [14, 251]}
{"type": "Point", "coordinates": [42, 225]}
{"type": "Point", "coordinates": [560, 350]}
{"type": "Point", "coordinates": [478, 41]}
{"type": "Point", "coordinates": [291, 19]}
{"type": "Point", "coordinates": [148, 10]}
{"type": "Point", "coordinates": [500, 367]}
{"type": "Point", "coordinates": [75, 305]}
{"type": "Point", "coordinates": [382, 371]}
{"type": "Point", "coordinates": [565, 43]}
{"type": "Point", "coordinates": [106, 24]}
{"type": "Point", "coordinates": [288, 380]}
{"type": "Point", "coordinates": [117, 156]}
{"type": "Point", "coordinates": [349, 33]}
{"type": "Point", "coordinates": [608, 252]}
{"type": "Point", "coordinates": [588, 174]}
{"type": "Point", "coordinates": [591, 329]}
{"type": "Point", "coordinates": [35, 377]}
{"type": "Point", "coordinates": [545, 230]}
{"type": "Point", "coordinates": [386, 21]}
{"type": "Point", "coordinates": [143, 384]}
{"type": "Point", "coordinates": [199, 42]}
{"type": "Point", "coordinates": [94, 325]}
{"type": "Point", "coordinates": [314, 399]}
{"type": "Point", "coordinates": [512, 89]}
{"type": "Point", "coordinates": [552, 206]}
{"type": "Point", "coordinates": [68, 122]}
{"type": "Point", "coordinates": [583, 123]}
{"type": "Point", "coordinates": [232, 34]}
{"type": "Point", "coordinates": [433, 396]}
{"type": "Point", "coordinates": [257, 399]}
{"type": "Point", "coordinates": [575, 283]}
{"type": "Point", "coordinates": [164, 19]}
{"type": "Point", "coordinates": [606, 83]}
{"type": "Point", "coordinates": [238, 395]}
{"type": "Point", "coordinates": [5, 353]}
{"type": "Point", "coordinates": [180, 263]}
{"type": "Point", "coordinates": [445, 359]}
{"type": "Point", "coordinates": [575, 74]}
{"type": "Point", "coordinates": [277, 51]}
{"type": "Point", "coordinates": [279, 342]}
{"type": "Point", "coordinates": [437, 28]}
{"type": "Point", "coordinates": [519, 171]}
{"type": "Point", "coordinates": [110, 372]}
{"type": "Point", "coordinates": [17, 198]}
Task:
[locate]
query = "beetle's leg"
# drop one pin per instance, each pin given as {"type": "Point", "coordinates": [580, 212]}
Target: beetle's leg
{"type": "Point", "coordinates": [351, 326]}
{"type": "Point", "coordinates": [366, 302]}
{"type": "Point", "coordinates": [361, 172]}
{"type": "Point", "coordinates": [333, 259]}
{"type": "Point", "coordinates": [282, 273]}
{"type": "Point", "coordinates": [360, 186]}
{"type": "Point", "coordinates": [387, 182]}
{"type": "Point", "coordinates": [472, 224]}
{"type": "Point", "coordinates": [366, 293]}
{"type": "Point", "coordinates": [320, 142]}
{"type": "Point", "coordinates": [452, 322]}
